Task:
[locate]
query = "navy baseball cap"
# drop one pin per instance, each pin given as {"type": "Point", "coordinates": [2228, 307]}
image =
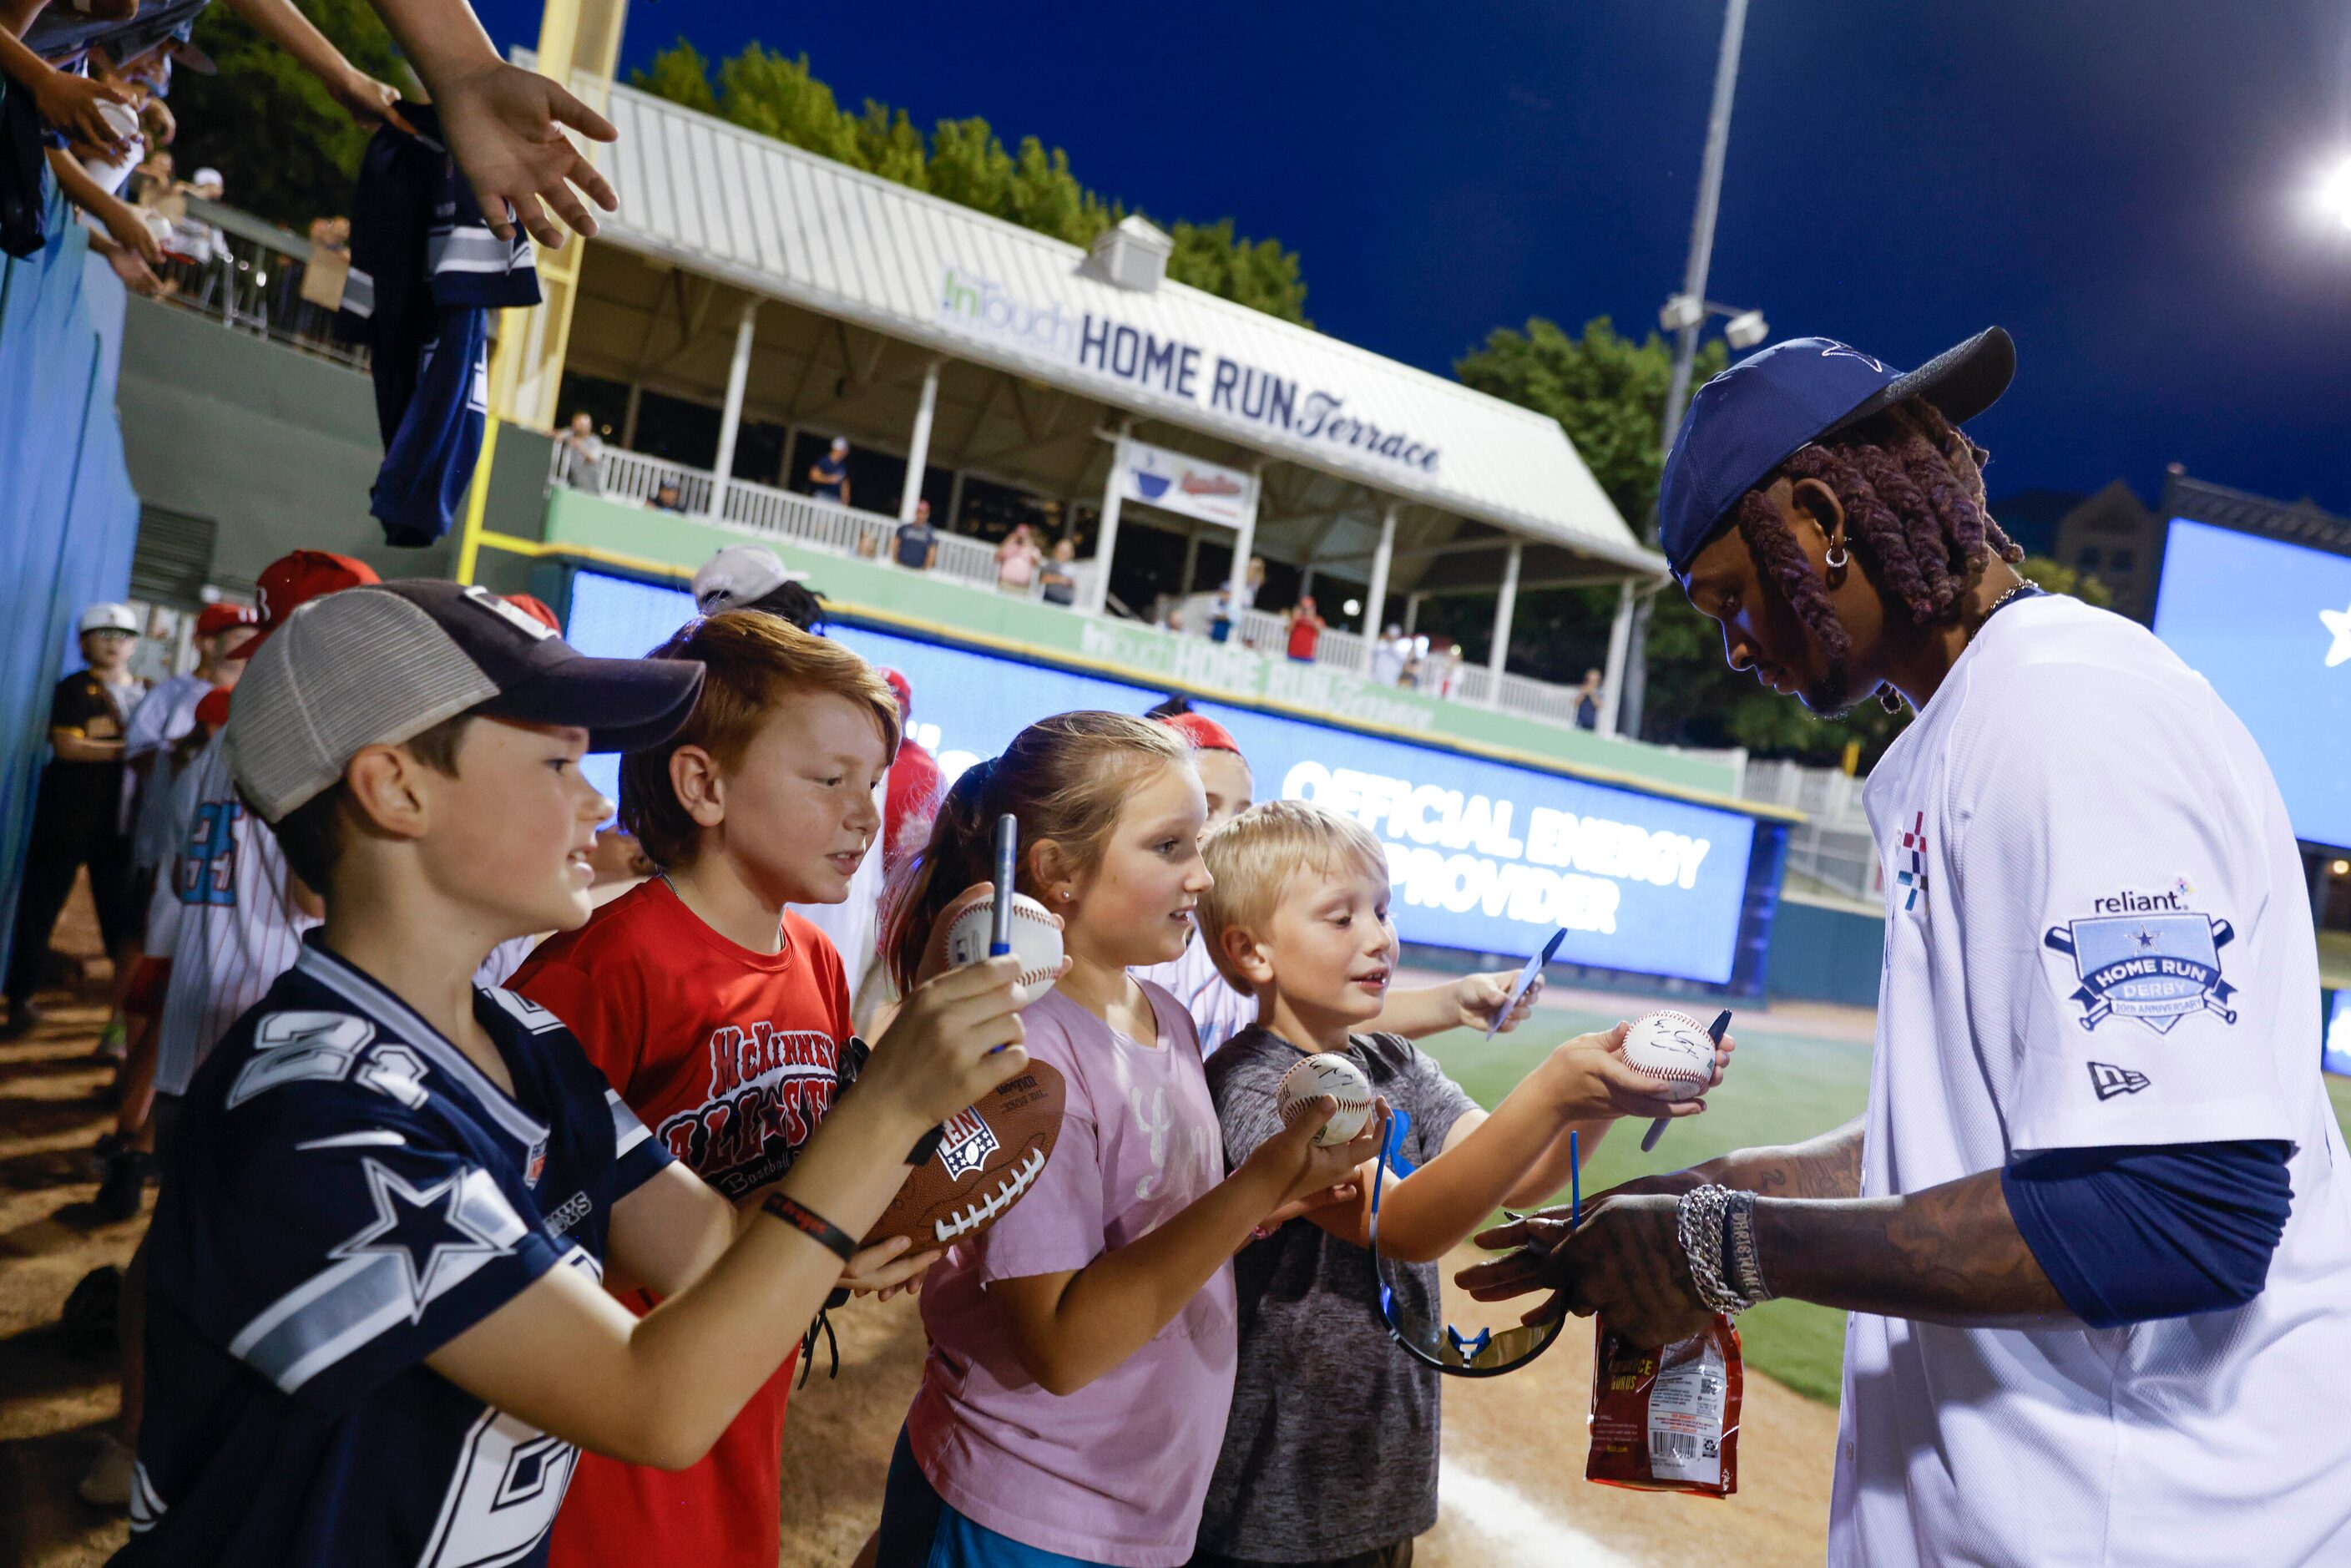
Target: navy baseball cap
{"type": "Point", "coordinates": [1752, 417]}
{"type": "Point", "coordinates": [379, 663]}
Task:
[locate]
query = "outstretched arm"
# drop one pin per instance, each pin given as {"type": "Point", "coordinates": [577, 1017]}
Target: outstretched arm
{"type": "Point", "coordinates": [1069, 1328]}
{"type": "Point", "coordinates": [505, 124]}
{"type": "Point", "coordinates": [1950, 1254]}
{"type": "Point", "coordinates": [366, 99]}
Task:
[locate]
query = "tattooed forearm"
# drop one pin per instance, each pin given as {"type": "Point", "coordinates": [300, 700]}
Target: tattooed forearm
{"type": "Point", "coordinates": [1950, 1254]}
{"type": "Point", "coordinates": [1825, 1167]}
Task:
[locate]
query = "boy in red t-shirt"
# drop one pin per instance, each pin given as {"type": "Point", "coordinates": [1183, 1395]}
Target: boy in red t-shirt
{"type": "Point", "coordinates": [721, 1019]}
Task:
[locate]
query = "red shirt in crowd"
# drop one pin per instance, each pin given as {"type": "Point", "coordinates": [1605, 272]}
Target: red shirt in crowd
{"type": "Point", "coordinates": [1305, 631]}
{"type": "Point", "coordinates": [909, 804]}
{"type": "Point", "coordinates": [731, 1057]}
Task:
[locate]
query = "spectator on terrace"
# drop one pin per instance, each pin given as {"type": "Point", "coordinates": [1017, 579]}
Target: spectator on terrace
{"type": "Point", "coordinates": [1305, 629]}
{"type": "Point", "coordinates": [1388, 655]}
{"type": "Point", "coordinates": [1587, 701]}
{"type": "Point", "coordinates": [153, 180]}
{"type": "Point", "coordinates": [665, 498]}
{"type": "Point", "coordinates": [583, 455]}
{"type": "Point", "coordinates": [918, 547]}
{"type": "Point", "coordinates": [1061, 583]}
{"type": "Point", "coordinates": [829, 473]}
{"type": "Point", "coordinates": [1016, 560]}
{"type": "Point", "coordinates": [192, 239]}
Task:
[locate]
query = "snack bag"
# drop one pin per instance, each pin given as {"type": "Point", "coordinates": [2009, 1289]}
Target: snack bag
{"type": "Point", "coordinates": [1666, 1420]}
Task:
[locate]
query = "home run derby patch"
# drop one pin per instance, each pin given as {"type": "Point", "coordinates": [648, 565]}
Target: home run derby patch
{"type": "Point", "coordinates": [2146, 956]}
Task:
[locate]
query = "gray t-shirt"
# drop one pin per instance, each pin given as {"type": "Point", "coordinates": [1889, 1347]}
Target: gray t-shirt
{"type": "Point", "coordinates": [1332, 1445]}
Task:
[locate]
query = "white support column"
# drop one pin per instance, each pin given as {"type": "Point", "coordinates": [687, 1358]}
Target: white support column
{"type": "Point", "coordinates": [629, 415]}
{"type": "Point", "coordinates": [1244, 545]}
{"type": "Point", "coordinates": [1411, 615]}
{"type": "Point", "coordinates": [1107, 535]}
{"type": "Point", "coordinates": [1375, 598]}
{"type": "Point", "coordinates": [731, 418]}
{"type": "Point", "coordinates": [1191, 559]}
{"type": "Point", "coordinates": [919, 446]}
{"type": "Point", "coordinates": [1612, 679]}
{"type": "Point", "coordinates": [1505, 607]}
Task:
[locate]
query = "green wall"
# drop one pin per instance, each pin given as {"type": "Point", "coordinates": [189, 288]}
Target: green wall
{"type": "Point", "coordinates": [1146, 654]}
{"type": "Point", "coordinates": [278, 446]}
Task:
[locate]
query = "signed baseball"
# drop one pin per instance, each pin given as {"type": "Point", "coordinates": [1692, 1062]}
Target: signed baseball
{"type": "Point", "coordinates": [1340, 1079]}
{"type": "Point", "coordinates": [966, 927]}
{"type": "Point", "coordinates": [1676, 1052]}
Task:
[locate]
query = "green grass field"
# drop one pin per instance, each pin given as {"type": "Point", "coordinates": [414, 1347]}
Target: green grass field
{"type": "Point", "coordinates": [1784, 1086]}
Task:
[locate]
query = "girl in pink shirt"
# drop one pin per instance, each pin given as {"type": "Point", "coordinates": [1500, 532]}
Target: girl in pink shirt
{"type": "Point", "coordinates": [1082, 1350]}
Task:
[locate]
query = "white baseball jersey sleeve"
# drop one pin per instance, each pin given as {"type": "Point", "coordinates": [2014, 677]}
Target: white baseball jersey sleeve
{"type": "Point", "coordinates": [2097, 935]}
{"type": "Point", "coordinates": [1219, 1012]}
{"type": "Point", "coordinates": [238, 930]}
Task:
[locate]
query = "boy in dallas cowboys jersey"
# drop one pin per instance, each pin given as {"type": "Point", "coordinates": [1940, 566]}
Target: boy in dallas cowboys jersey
{"type": "Point", "coordinates": [376, 1332]}
{"type": "Point", "coordinates": [2095, 1229]}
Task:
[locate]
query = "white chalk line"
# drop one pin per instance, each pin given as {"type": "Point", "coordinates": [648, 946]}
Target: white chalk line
{"type": "Point", "coordinates": [1520, 1532]}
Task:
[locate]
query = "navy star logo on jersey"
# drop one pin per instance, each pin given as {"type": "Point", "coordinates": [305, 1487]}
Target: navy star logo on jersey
{"type": "Point", "coordinates": [426, 1228]}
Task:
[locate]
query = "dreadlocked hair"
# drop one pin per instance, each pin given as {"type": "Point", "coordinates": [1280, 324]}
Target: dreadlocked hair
{"type": "Point", "coordinates": [1065, 779]}
{"type": "Point", "coordinates": [1912, 487]}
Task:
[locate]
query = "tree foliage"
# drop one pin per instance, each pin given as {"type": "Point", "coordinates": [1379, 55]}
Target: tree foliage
{"type": "Point", "coordinates": [1608, 393]}
{"type": "Point", "coordinates": [285, 150]}
{"type": "Point", "coordinates": [966, 162]}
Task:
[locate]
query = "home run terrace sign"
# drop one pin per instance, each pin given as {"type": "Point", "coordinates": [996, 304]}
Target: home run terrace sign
{"type": "Point", "coordinates": [1221, 383]}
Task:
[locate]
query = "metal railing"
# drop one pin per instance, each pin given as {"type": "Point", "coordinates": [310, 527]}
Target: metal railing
{"type": "Point", "coordinates": [251, 281]}
{"type": "Point", "coordinates": [1838, 858]}
{"type": "Point", "coordinates": [1826, 794]}
{"type": "Point", "coordinates": [756, 508]}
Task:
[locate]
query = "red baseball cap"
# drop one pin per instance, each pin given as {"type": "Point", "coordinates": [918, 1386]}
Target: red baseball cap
{"type": "Point", "coordinates": [212, 709]}
{"type": "Point", "coordinates": [215, 619]}
{"type": "Point", "coordinates": [905, 690]}
{"type": "Point", "coordinates": [293, 580]}
{"type": "Point", "coordinates": [1204, 733]}
{"type": "Point", "coordinates": [536, 608]}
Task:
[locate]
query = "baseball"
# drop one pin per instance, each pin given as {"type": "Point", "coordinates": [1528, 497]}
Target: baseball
{"type": "Point", "coordinates": [966, 926]}
{"type": "Point", "coordinates": [1674, 1050]}
{"type": "Point", "coordinates": [1340, 1079]}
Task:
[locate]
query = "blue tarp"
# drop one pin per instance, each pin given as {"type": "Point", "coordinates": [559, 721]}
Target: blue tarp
{"type": "Point", "coordinates": [69, 516]}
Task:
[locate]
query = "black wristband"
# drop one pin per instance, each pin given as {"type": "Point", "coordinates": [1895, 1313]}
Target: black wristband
{"type": "Point", "coordinates": [809, 1223]}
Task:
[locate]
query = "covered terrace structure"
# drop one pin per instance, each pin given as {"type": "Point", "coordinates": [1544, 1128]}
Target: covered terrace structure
{"type": "Point", "coordinates": [1020, 377]}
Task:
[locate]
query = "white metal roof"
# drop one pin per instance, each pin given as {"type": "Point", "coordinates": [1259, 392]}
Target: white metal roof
{"type": "Point", "coordinates": [719, 200]}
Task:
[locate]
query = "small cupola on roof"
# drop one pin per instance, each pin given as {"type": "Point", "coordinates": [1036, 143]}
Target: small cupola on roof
{"type": "Point", "coordinates": [1132, 254]}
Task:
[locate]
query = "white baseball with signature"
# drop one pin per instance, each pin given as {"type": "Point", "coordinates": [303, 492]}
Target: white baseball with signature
{"type": "Point", "coordinates": [1341, 1079]}
{"type": "Point", "coordinates": [1674, 1051]}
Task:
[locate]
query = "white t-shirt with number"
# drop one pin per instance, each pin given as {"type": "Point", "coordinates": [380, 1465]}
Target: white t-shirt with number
{"type": "Point", "coordinates": [2097, 934]}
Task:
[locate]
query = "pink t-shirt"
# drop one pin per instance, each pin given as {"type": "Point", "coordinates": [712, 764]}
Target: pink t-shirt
{"type": "Point", "coordinates": [1117, 1471]}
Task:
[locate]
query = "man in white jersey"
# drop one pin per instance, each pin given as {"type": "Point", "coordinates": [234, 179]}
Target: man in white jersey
{"type": "Point", "coordinates": [238, 926]}
{"type": "Point", "coordinates": [2094, 1230]}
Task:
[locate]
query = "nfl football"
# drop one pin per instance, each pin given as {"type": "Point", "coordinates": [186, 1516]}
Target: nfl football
{"type": "Point", "coordinates": [988, 1157]}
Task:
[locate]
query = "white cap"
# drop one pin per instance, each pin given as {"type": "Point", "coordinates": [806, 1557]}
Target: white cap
{"type": "Point", "coordinates": [111, 618]}
{"type": "Point", "coordinates": [208, 176]}
{"type": "Point", "coordinates": [740, 575]}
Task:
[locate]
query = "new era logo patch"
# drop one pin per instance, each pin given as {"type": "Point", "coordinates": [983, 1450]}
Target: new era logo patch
{"type": "Point", "coordinates": [2110, 1080]}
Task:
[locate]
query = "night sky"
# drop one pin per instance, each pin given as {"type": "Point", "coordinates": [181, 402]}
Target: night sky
{"type": "Point", "coordinates": [2125, 184]}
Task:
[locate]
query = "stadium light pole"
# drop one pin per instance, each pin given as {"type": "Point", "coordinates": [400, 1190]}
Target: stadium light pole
{"type": "Point", "coordinates": [1701, 257]}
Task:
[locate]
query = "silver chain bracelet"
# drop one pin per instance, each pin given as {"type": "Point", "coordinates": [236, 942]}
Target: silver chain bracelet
{"type": "Point", "coordinates": [1710, 1222]}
